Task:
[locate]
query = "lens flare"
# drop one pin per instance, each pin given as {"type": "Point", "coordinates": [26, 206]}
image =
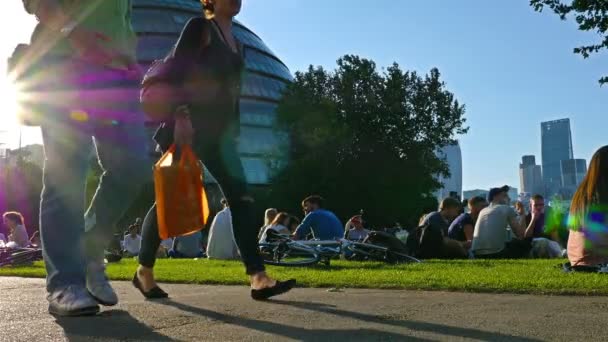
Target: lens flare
{"type": "Point", "coordinates": [9, 104]}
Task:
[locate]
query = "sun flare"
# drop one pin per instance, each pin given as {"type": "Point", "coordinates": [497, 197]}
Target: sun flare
{"type": "Point", "coordinates": [8, 105]}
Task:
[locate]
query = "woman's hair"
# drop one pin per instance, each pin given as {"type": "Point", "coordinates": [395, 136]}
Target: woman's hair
{"type": "Point", "coordinates": [14, 216]}
{"type": "Point", "coordinates": [593, 190]}
{"type": "Point", "coordinates": [208, 9]}
{"type": "Point", "coordinates": [281, 219]}
{"type": "Point", "coordinates": [269, 215]}
{"type": "Point", "coordinates": [519, 204]}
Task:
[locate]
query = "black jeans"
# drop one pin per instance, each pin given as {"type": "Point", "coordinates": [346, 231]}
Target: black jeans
{"type": "Point", "coordinates": [514, 249]}
{"type": "Point", "coordinates": [219, 154]}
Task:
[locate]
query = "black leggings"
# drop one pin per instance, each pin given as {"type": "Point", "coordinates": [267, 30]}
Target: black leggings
{"type": "Point", "coordinates": [220, 156]}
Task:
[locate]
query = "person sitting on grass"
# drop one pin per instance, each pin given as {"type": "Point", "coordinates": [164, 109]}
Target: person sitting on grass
{"type": "Point", "coordinates": [355, 230]}
{"type": "Point", "coordinates": [280, 225]}
{"type": "Point", "coordinates": [492, 239]}
{"type": "Point", "coordinates": [463, 226]}
{"type": "Point", "coordinates": [221, 244]}
{"type": "Point", "coordinates": [132, 242]}
{"type": "Point", "coordinates": [438, 223]}
{"type": "Point", "coordinates": [588, 222]}
{"type": "Point", "coordinates": [323, 224]}
{"type": "Point", "coordinates": [17, 237]}
{"type": "Point", "coordinates": [187, 247]}
{"type": "Point", "coordinates": [269, 215]}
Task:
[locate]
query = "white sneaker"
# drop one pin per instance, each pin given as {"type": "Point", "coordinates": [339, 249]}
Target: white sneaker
{"type": "Point", "coordinates": [72, 301]}
{"type": "Point", "coordinates": [98, 285]}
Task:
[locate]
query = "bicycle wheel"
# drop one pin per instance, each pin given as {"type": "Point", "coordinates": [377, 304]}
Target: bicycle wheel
{"type": "Point", "coordinates": [399, 258]}
{"type": "Point", "coordinates": [284, 254]}
{"type": "Point", "coordinates": [367, 251]}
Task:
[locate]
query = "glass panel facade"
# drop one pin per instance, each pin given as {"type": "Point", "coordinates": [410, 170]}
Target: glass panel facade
{"type": "Point", "coordinates": [248, 38]}
{"type": "Point", "coordinates": [257, 113]}
{"type": "Point", "coordinates": [262, 87]}
{"type": "Point", "coordinates": [556, 146]}
{"type": "Point", "coordinates": [258, 61]}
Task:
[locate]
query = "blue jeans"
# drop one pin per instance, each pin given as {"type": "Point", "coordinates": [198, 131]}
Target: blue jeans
{"type": "Point", "coordinates": [99, 114]}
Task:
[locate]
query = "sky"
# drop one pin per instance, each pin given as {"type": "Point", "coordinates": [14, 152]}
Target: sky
{"type": "Point", "coordinates": [512, 67]}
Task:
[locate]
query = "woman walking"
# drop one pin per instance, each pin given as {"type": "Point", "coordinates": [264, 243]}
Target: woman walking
{"type": "Point", "coordinates": [207, 118]}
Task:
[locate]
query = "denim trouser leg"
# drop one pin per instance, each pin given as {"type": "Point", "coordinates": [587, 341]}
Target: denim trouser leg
{"type": "Point", "coordinates": [69, 139]}
{"type": "Point", "coordinates": [62, 205]}
{"type": "Point", "coordinates": [124, 158]}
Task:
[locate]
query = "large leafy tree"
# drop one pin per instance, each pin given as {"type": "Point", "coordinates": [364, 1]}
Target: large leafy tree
{"type": "Point", "coordinates": [366, 139]}
{"type": "Point", "coordinates": [590, 15]}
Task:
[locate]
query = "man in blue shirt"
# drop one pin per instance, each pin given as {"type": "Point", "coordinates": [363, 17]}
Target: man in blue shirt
{"type": "Point", "coordinates": [323, 224]}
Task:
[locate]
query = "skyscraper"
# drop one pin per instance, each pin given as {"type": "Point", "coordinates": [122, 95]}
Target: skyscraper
{"type": "Point", "coordinates": [556, 139]}
{"type": "Point", "coordinates": [452, 184]}
{"type": "Point", "coordinates": [573, 172]}
{"type": "Point", "coordinates": [530, 176]}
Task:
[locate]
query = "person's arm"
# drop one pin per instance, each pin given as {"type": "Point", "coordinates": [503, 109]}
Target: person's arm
{"type": "Point", "coordinates": [520, 230]}
{"type": "Point", "coordinates": [469, 229]}
{"type": "Point", "coordinates": [305, 227]}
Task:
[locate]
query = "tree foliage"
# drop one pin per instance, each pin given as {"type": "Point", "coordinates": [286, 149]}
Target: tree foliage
{"type": "Point", "coordinates": [366, 139]}
{"type": "Point", "coordinates": [590, 15]}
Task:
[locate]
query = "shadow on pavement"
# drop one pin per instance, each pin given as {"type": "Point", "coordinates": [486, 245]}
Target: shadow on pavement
{"type": "Point", "coordinates": [302, 334]}
{"type": "Point", "coordinates": [112, 325]}
{"type": "Point", "coordinates": [446, 330]}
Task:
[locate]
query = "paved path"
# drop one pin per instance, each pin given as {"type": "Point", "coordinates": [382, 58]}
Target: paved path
{"type": "Point", "coordinates": [221, 313]}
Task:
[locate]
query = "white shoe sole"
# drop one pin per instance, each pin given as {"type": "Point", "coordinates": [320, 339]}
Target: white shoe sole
{"type": "Point", "coordinates": [91, 311]}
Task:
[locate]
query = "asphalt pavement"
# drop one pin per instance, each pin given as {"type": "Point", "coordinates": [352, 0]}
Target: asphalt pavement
{"type": "Point", "coordinates": [226, 313]}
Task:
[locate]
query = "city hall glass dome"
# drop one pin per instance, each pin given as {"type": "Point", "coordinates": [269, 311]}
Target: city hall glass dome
{"type": "Point", "coordinates": [158, 24]}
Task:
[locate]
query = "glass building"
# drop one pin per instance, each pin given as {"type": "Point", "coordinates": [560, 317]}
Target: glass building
{"type": "Point", "coordinates": [556, 146]}
{"type": "Point", "coordinates": [573, 173]}
{"type": "Point", "coordinates": [452, 185]}
{"type": "Point", "coordinates": [158, 24]}
{"type": "Point", "coordinates": [530, 176]}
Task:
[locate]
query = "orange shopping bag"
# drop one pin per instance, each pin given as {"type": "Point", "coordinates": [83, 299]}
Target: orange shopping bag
{"type": "Point", "coordinates": [181, 202]}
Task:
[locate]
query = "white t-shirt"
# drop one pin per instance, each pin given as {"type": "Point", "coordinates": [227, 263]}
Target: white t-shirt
{"type": "Point", "coordinates": [221, 244]}
{"type": "Point", "coordinates": [132, 245]}
{"type": "Point", "coordinates": [278, 228]}
{"type": "Point", "coordinates": [19, 236]}
{"type": "Point", "coordinates": [491, 232]}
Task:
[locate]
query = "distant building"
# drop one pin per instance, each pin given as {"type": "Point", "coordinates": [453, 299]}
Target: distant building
{"type": "Point", "coordinates": [556, 139]}
{"type": "Point", "coordinates": [513, 194]}
{"type": "Point", "coordinates": [573, 171]}
{"type": "Point", "coordinates": [474, 193]}
{"type": "Point", "coordinates": [530, 176]}
{"type": "Point", "coordinates": [452, 185]}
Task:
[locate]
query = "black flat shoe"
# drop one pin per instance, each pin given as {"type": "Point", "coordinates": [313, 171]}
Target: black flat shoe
{"type": "Point", "coordinates": [279, 288]}
{"type": "Point", "coordinates": [154, 293]}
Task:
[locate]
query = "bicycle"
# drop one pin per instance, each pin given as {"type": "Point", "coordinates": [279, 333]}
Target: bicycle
{"type": "Point", "coordinates": [19, 256]}
{"type": "Point", "coordinates": [287, 252]}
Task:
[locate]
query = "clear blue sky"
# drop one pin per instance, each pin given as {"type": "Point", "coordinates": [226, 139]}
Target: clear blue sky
{"type": "Point", "coordinates": [511, 66]}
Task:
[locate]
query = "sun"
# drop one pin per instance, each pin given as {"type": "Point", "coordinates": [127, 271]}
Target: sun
{"type": "Point", "coordinates": [9, 96]}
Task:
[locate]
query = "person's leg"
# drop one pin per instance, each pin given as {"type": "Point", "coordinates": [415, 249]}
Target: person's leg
{"type": "Point", "coordinates": [222, 160]}
{"type": "Point", "coordinates": [123, 152]}
{"type": "Point", "coordinates": [121, 144]}
{"type": "Point", "coordinates": [67, 150]}
{"type": "Point", "coordinates": [150, 240]}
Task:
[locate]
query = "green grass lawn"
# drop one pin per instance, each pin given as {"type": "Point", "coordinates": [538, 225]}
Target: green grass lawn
{"type": "Point", "coordinates": [522, 276]}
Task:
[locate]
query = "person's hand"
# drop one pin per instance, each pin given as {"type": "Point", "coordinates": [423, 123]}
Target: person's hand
{"type": "Point", "coordinates": [534, 216]}
{"type": "Point", "coordinates": [88, 45]}
{"type": "Point", "coordinates": [183, 132]}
